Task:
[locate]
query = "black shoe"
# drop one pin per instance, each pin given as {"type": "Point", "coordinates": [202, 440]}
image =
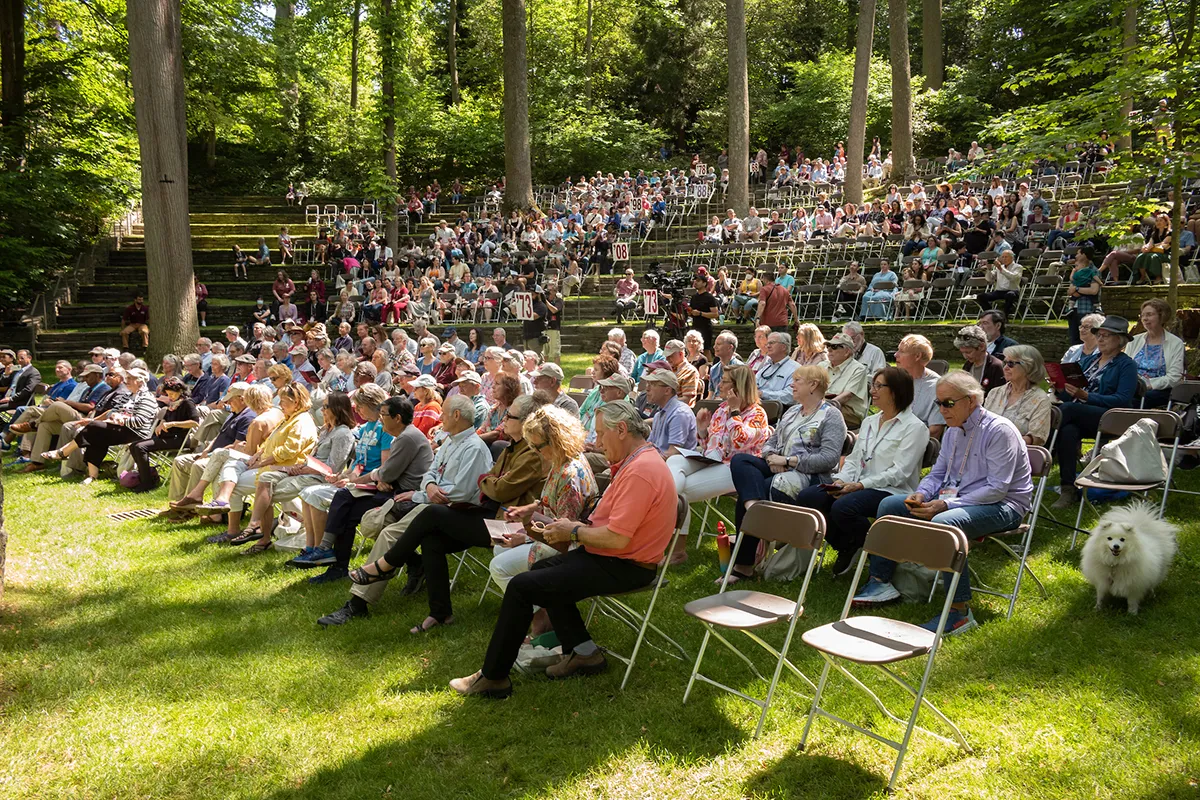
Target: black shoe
{"type": "Point", "coordinates": [342, 615]}
{"type": "Point", "coordinates": [415, 583]}
{"type": "Point", "coordinates": [330, 575]}
{"type": "Point", "coordinates": [845, 562]}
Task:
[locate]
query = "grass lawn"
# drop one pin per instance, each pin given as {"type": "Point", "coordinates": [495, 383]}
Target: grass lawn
{"type": "Point", "coordinates": [137, 662]}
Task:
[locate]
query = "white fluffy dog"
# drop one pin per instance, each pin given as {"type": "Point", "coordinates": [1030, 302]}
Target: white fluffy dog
{"type": "Point", "coordinates": [1128, 553]}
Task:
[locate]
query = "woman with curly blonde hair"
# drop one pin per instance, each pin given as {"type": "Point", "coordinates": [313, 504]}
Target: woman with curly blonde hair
{"type": "Point", "coordinates": [810, 346]}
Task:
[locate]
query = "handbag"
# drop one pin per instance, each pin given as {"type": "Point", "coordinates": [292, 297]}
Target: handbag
{"type": "Point", "coordinates": [1133, 457]}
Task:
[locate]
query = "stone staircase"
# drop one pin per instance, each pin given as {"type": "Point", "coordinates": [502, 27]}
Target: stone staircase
{"type": "Point", "coordinates": [220, 222]}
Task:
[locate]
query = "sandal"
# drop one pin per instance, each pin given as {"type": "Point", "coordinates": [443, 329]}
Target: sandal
{"type": "Point", "coordinates": [221, 538]}
{"type": "Point", "coordinates": [735, 577]}
{"type": "Point", "coordinates": [257, 529]}
{"type": "Point", "coordinates": [258, 548]}
{"type": "Point", "coordinates": [52, 455]}
{"type": "Point", "coordinates": [361, 577]}
{"type": "Point", "coordinates": [185, 502]}
{"type": "Point", "coordinates": [243, 537]}
{"type": "Point", "coordinates": [214, 506]}
{"type": "Point", "coordinates": [429, 623]}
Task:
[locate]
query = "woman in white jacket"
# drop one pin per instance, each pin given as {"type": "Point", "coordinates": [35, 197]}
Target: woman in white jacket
{"type": "Point", "coordinates": [1159, 354]}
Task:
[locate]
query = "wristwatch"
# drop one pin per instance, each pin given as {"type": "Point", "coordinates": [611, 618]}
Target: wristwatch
{"type": "Point", "coordinates": [575, 534]}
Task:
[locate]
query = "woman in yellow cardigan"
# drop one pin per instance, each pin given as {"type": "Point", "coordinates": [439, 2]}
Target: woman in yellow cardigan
{"type": "Point", "coordinates": [288, 445]}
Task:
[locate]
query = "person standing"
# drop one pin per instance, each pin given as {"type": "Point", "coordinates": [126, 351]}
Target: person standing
{"type": "Point", "coordinates": [775, 305]}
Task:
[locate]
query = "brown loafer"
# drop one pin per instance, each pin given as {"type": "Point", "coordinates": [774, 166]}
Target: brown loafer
{"type": "Point", "coordinates": [33, 466]}
{"type": "Point", "coordinates": [477, 684]}
{"type": "Point", "coordinates": [20, 427]}
{"type": "Point", "coordinates": [185, 502]}
{"type": "Point", "coordinates": [574, 664]}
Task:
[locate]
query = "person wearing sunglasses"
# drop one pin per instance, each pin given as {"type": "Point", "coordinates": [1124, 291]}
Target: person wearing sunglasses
{"type": "Point", "coordinates": [981, 484]}
{"type": "Point", "coordinates": [1020, 400]}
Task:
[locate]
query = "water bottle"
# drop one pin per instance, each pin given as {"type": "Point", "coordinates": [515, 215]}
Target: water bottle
{"type": "Point", "coordinates": [724, 551]}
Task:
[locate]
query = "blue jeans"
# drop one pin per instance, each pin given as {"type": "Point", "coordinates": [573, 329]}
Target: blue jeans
{"type": "Point", "coordinates": [752, 479]}
{"type": "Point", "coordinates": [974, 521]}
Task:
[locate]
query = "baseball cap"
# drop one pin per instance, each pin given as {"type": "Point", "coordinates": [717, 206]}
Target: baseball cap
{"type": "Point", "coordinates": [96, 351]}
{"type": "Point", "coordinates": [112, 352]}
{"type": "Point", "coordinates": [245, 358]}
{"type": "Point", "coordinates": [236, 390]}
{"type": "Point", "coordinates": [137, 372]}
{"type": "Point", "coordinates": [664, 376]}
{"type": "Point", "coordinates": [840, 339]}
{"type": "Point", "coordinates": [231, 329]}
{"type": "Point", "coordinates": [549, 370]}
{"type": "Point", "coordinates": [91, 369]}
{"type": "Point", "coordinates": [471, 375]}
{"type": "Point", "coordinates": [673, 346]}
{"type": "Point", "coordinates": [449, 331]}
{"type": "Point", "coordinates": [618, 381]}
{"type": "Point", "coordinates": [425, 381]}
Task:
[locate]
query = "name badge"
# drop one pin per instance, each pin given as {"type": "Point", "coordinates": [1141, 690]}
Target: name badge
{"type": "Point", "coordinates": [948, 493]}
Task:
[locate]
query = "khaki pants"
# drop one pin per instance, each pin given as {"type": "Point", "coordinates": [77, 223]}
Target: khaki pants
{"type": "Point", "coordinates": [383, 542]}
{"type": "Point", "coordinates": [554, 346]}
{"type": "Point", "coordinates": [185, 474]}
{"type": "Point", "coordinates": [74, 463]}
{"type": "Point", "coordinates": [51, 425]}
{"type": "Point", "coordinates": [211, 421]}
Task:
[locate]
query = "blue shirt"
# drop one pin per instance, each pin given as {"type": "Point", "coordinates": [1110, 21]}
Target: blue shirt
{"type": "Point", "coordinates": [235, 427]}
{"type": "Point", "coordinates": [674, 424]}
{"type": "Point", "coordinates": [1114, 386]}
{"type": "Point", "coordinates": [62, 389]}
{"type": "Point", "coordinates": [209, 389]}
{"type": "Point", "coordinates": [985, 461]}
{"type": "Point", "coordinates": [717, 370]}
{"type": "Point", "coordinates": [370, 442]}
{"type": "Point", "coordinates": [99, 390]}
{"type": "Point", "coordinates": [775, 381]}
{"type": "Point", "coordinates": [643, 360]}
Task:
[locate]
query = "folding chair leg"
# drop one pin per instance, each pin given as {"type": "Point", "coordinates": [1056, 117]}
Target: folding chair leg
{"type": "Point", "coordinates": [696, 667]}
{"type": "Point", "coordinates": [1078, 516]}
{"type": "Point", "coordinates": [816, 701]}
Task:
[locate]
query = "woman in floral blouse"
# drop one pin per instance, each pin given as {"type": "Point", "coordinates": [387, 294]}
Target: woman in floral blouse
{"type": "Point", "coordinates": [739, 425]}
{"type": "Point", "coordinates": [568, 493]}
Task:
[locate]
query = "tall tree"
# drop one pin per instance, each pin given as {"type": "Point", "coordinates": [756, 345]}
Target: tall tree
{"type": "Point", "coordinates": [902, 140]}
{"type": "Point", "coordinates": [587, 50]}
{"type": "Point", "coordinates": [931, 43]}
{"type": "Point", "coordinates": [289, 73]}
{"type": "Point", "coordinates": [387, 59]}
{"type": "Point", "coordinates": [518, 172]}
{"type": "Point", "coordinates": [354, 24]}
{"type": "Point", "coordinates": [856, 138]}
{"type": "Point", "coordinates": [452, 51]}
{"type": "Point", "coordinates": [739, 108]}
{"type": "Point", "coordinates": [1128, 46]}
{"type": "Point", "coordinates": [12, 80]}
{"type": "Point", "coordinates": [156, 71]}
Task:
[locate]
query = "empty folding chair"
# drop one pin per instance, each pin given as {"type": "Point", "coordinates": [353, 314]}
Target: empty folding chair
{"type": "Point", "coordinates": [748, 611]}
{"type": "Point", "coordinates": [615, 607]}
{"type": "Point", "coordinates": [970, 294]}
{"type": "Point", "coordinates": [1039, 464]}
{"type": "Point", "coordinates": [880, 641]}
{"type": "Point", "coordinates": [939, 365]}
{"type": "Point", "coordinates": [1042, 297]}
{"type": "Point", "coordinates": [312, 215]}
{"type": "Point", "coordinates": [1114, 423]}
{"type": "Point", "coordinates": [937, 300]}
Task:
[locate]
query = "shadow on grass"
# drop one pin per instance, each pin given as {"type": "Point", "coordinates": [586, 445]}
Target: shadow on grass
{"type": "Point", "coordinates": [797, 774]}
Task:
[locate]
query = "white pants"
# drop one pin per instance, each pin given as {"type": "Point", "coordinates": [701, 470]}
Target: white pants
{"type": "Point", "coordinates": [245, 485]}
{"type": "Point", "coordinates": [320, 496]}
{"type": "Point", "coordinates": [697, 481]}
{"type": "Point", "coordinates": [508, 563]}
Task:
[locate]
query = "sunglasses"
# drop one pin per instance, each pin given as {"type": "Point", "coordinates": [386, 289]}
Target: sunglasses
{"type": "Point", "coordinates": [949, 403]}
{"type": "Point", "coordinates": [1011, 364]}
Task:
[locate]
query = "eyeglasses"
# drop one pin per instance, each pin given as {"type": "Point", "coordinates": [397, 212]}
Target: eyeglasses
{"type": "Point", "coordinates": [1010, 364]}
{"type": "Point", "coordinates": [877, 386]}
{"type": "Point", "coordinates": [950, 403]}
{"type": "Point", "coordinates": [539, 447]}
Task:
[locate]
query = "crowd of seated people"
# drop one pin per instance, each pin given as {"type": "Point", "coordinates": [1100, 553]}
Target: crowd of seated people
{"type": "Point", "coordinates": [429, 445]}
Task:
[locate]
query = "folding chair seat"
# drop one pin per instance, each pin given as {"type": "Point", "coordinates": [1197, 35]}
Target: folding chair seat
{"type": "Point", "coordinates": [881, 642]}
{"type": "Point", "coordinates": [1114, 423]}
{"type": "Point", "coordinates": [1040, 463]}
{"type": "Point", "coordinates": [748, 611]}
{"type": "Point", "coordinates": [582, 382]}
{"type": "Point", "coordinates": [970, 293]}
{"type": "Point", "coordinates": [312, 215]}
{"type": "Point", "coordinates": [939, 365]}
{"type": "Point", "coordinates": [613, 606]}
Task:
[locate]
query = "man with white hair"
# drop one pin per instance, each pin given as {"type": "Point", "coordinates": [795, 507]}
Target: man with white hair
{"type": "Point", "coordinates": [980, 484]}
{"type": "Point", "coordinates": [652, 353]}
{"type": "Point", "coordinates": [913, 355]}
{"type": "Point", "coordinates": [500, 337]}
{"type": "Point", "coordinates": [469, 385]}
{"type": "Point", "coordinates": [849, 382]}
{"type": "Point", "coordinates": [627, 358]}
{"type": "Point", "coordinates": [549, 376]}
{"type": "Point", "coordinates": [232, 336]}
{"type": "Point", "coordinates": [674, 424]}
{"type": "Point", "coordinates": [204, 349]}
{"type": "Point", "coordinates": [865, 353]}
{"type": "Point", "coordinates": [774, 378]}
{"type": "Point", "coordinates": [690, 384]}
{"type": "Point", "coordinates": [725, 350]}
{"type": "Point", "coordinates": [453, 477]}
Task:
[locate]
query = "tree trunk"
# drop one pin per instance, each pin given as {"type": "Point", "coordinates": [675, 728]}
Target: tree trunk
{"type": "Point", "coordinates": [852, 12]}
{"type": "Point", "coordinates": [285, 48]}
{"type": "Point", "coordinates": [587, 51]}
{"type": "Point", "coordinates": [452, 52]}
{"type": "Point", "coordinates": [354, 23]}
{"type": "Point", "coordinates": [931, 44]}
{"type": "Point", "coordinates": [388, 86]}
{"type": "Point", "coordinates": [210, 146]}
{"type": "Point", "coordinates": [856, 139]}
{"type": "Point", "coordinates": [12, 80]}
{"type": "Point", "coordinates": [1128, 45]}
{"type": "Point", "coordinates": [739, 109]}
{"type": "Point", "coordinates": [902, 142]}
{"type": "Point", "coordinates": [156, 71]}
{"type": "Point", "coordinates": [518, 174]}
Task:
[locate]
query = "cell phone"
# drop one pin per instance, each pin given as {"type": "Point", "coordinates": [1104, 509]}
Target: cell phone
{"type": "Point", "coordinates": [830, 487]}
{"type": "Point", "coordinates": [908, 501]}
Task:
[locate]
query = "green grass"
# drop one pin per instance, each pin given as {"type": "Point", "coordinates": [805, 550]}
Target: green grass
{"type": "Point", "coordinates": [137, 662]}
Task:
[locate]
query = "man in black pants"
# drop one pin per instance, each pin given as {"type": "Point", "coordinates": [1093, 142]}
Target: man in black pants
{"type": "Point", "coordinates": [408, 458]}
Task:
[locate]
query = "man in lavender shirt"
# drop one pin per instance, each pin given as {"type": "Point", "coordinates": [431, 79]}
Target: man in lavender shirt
{"type": "Point", "coordinates": [981, 484]}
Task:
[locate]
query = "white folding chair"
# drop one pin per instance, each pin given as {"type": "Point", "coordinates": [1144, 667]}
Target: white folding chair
{"type": "Point", "coordinates": [613, 606]}
{"type": "Point", "coordinates": [880, 641]}
{"type": "Point", "coordinates": [1039, 465]}
{"type": "Point", "coordinates": [1114, 423]}
{"type": "Point", "coordinates": [749, 611]}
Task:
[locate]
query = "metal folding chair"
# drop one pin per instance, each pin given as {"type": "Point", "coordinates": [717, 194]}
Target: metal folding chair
{"type": "Point", "coordinates": [880, 642]}
{"type": "Point", "coordinates": [1114, 423]}
{"type": "Point", "coordinates": [749, 611]}
{"type": "Point", "coordinates": [614, 606]}
{"type": "Point", "coordinates": [1040, 463]}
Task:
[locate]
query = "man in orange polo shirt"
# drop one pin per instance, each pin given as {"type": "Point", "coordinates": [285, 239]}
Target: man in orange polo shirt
{"type": "Point", "coordinates": [621, 547]}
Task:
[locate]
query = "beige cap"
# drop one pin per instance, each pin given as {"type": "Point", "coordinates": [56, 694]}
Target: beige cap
{"type": "Point", "coordinates": [549, 370]}
{"type": "Point", "coordinates": [470, 376]}
{"type": "Point", "coordinates": [236, 390]}
{"type": "Point", "coordinates": [840, 339]}
{"type": "Point", "coordinates": [618, 381]}
{"type": "Point", "coordinates": [673, 346]}
{"type": "Point", "coordinates": [664, 376]}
